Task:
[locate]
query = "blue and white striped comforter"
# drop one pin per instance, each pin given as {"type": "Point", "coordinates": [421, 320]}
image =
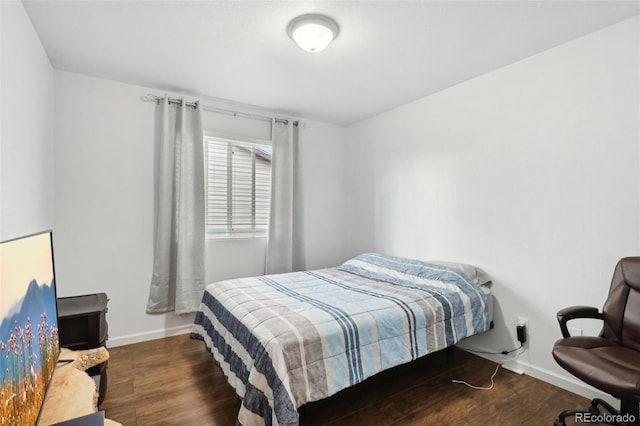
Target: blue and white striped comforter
{"type": "Point", "coordinates": [284, 340]}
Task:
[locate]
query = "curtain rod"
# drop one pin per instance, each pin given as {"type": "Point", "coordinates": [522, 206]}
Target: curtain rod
{"type": "Point", "coordinates": [157, 99]}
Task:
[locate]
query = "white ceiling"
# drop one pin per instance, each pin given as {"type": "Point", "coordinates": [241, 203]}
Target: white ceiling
{"type": "Point", "coordinates": [388, 53]}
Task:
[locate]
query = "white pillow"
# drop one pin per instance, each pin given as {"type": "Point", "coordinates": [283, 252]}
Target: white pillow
{"type": "Point", "coordinates": [476, 274]}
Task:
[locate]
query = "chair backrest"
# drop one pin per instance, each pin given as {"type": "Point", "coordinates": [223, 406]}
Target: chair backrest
{"type": "Point", "coordinates": [622, 307]}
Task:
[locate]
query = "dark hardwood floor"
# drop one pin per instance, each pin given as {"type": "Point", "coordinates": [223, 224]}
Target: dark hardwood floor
{"type": "Point", "coordinates": [174, 381]}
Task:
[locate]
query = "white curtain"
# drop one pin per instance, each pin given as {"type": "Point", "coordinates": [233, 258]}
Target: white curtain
{"type": "Point", "coordinates": [177, 282]}
{"type": "Point", "coordinates": [285, 247]}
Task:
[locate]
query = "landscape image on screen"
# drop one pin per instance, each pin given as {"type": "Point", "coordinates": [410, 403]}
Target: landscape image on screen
{"type": "Point", "coordinates": [29, 344]}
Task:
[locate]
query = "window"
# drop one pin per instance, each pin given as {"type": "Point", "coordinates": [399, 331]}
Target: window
{"type": "Point", "coordinates": [238, 178]}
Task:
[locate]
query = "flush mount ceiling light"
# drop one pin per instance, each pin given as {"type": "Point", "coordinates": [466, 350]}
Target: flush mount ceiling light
{"type": "Point", "coordinates": [313, 32]}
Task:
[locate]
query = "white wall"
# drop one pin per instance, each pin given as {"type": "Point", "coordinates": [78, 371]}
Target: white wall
{"type": "Point", "coordinates": [531, 172]}
{"type": "Point", "coordinates": [26, 122]}
{"type": "Point", "coordinates": [104, 201]}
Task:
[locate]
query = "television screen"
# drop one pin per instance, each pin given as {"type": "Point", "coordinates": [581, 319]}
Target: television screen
{"type": "Point", "coordinates": [29, 343]}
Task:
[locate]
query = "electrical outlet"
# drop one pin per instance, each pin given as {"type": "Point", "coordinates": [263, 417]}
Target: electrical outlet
{"type": "Point", "coordinates": [523, 321]}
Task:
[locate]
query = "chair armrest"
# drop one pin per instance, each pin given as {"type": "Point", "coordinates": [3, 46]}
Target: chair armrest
{"type": "Point", "coordinates": [567, 314]}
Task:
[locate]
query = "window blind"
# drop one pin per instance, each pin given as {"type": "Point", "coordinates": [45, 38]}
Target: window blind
{"type": "Point", "coordinates": [238, 187]}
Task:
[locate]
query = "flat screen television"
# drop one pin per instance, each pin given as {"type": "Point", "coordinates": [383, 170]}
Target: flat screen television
{"type": "Point", "coordinates": [29, 342]}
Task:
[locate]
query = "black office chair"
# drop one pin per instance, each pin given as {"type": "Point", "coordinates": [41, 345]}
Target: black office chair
{"type": "Point", "coordinates": [611, 361]}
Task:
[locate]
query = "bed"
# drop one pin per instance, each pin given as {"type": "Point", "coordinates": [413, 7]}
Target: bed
{"type": "Point", "coordinates": [288, 339]}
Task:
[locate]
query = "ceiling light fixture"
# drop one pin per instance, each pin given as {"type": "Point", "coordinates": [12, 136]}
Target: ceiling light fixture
{"type": "Point", "coordinates": [313, 32]}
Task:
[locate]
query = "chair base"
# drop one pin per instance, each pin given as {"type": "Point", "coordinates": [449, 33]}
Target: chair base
{"type": "Point", "coordinates": [627, 416]}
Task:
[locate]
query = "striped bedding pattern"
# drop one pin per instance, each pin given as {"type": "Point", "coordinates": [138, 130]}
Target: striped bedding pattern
{"type": "Point", "coordinates": [288, 339]}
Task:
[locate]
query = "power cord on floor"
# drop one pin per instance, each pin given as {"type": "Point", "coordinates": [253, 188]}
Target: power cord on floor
{"type": "Point", "coordinates": [462, 382]}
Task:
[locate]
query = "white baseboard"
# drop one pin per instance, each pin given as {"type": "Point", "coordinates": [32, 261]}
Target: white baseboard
{"type": "Point", "coordinates": [568, 383]}
{"type": "Point", "coordinates": [148, 335]}
{"type": "Point", "coordinates": [514, 368]}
